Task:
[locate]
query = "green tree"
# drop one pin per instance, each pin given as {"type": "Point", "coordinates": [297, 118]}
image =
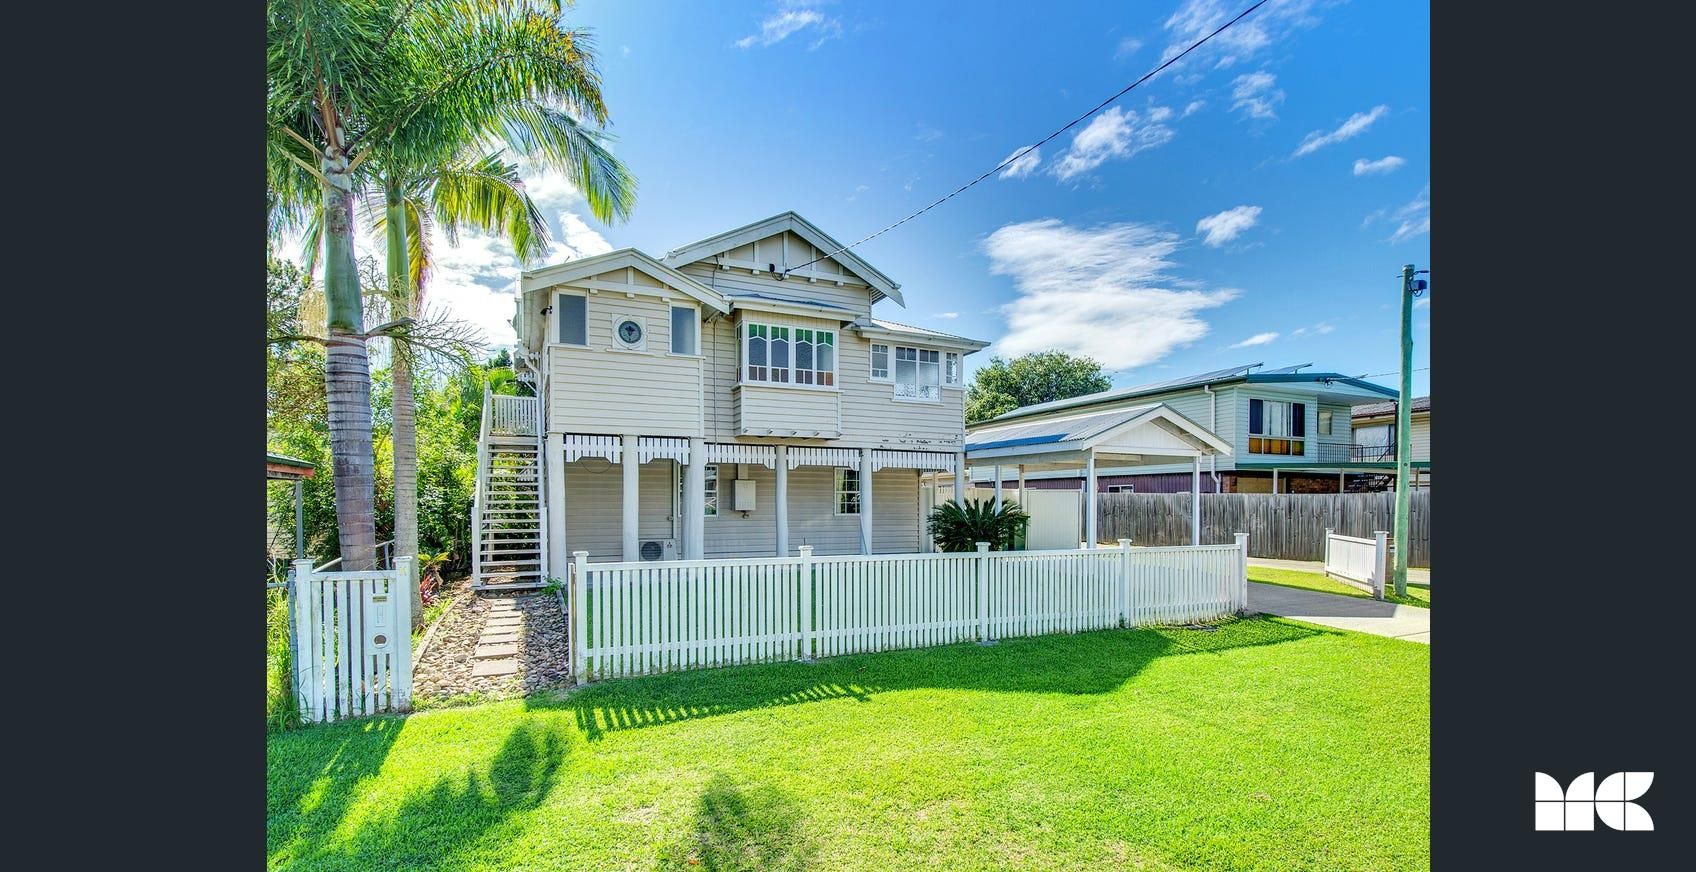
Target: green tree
{"type": "Point", "coordinates": [1038, 377]}
{"type": "Point", "coordinates": [352, 79]}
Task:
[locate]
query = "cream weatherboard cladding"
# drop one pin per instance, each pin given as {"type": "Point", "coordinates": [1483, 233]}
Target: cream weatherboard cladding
{"type": "Point", "coordinates": [594, 498]}
{"type": "Point", "coordinates": [606, 388]}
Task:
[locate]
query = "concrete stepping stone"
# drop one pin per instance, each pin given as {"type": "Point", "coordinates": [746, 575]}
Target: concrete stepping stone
{"type": "Point", "coordinates": [498, 638]}
{"type": "Point", "coordinates": [489, 650]}
{"type": "Point", "coordinates": [501, 606]}
{"type": "Point", "coordinates": [494, 667]}
{"type": "Point", "coordinates": [504, 621]}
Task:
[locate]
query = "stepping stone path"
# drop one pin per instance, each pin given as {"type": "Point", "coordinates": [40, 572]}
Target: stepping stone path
{"type": "Point", "coordinates": [495, 645]}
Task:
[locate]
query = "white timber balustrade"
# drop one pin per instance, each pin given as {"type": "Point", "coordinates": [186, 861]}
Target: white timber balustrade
{"type": "Point", "coordinates": [1364, 562]}
{"type": "Point", "coordinates": [354, 641]}
{"type": "Point", "coordinates": [512, 416]}
{"type": "Point", "coordinates": [644, 617]}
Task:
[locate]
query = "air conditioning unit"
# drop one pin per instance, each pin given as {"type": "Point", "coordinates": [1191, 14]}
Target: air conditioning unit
{"type": "Point", "coordinates": [659, 549]}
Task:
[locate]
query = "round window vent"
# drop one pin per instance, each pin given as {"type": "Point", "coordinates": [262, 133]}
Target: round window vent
{"type": "Point", "coordinates": [651, 550]}
{"type": "Point", "coordinates": [630, 332]}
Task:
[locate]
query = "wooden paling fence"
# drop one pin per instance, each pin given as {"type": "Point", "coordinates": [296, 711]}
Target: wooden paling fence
{"type": "Point", "coordinates": [647, 617]}
{"type": "Point", "coordinates": [1285, 526]}
{"type": "Point", "coordinates": [353, 650]}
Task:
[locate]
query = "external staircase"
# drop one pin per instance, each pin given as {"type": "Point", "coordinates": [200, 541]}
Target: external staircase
{"type": "Point", "coordinates": [508, 520]}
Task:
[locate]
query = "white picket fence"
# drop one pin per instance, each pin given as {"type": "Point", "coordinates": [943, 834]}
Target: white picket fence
{"type": "Point", "coordinates": [1365, 562]}
{"type": "Point", "coordinates": [642, 618]}
{"type": "Point", "coordinates": [353, 647]}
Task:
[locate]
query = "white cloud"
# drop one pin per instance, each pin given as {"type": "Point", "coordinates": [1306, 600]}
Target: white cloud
{"type": "Point", "coordinates": [1256, 339]}
{"type": "Point", "coordinates": [1270, 24]}
{"type": "Point", "coordinates": [1225, 226]}
{"type": "Point", "coordinates": [928, 134]}
{"type": "Point", "coordinates": [1106, 292]}
{"type": "Point", "coordinates": [1255, 94]}
{"type": "Point", "coordinates": [948, 316]}
{"type": "Point", "coordinates": [1115, 133]}
{"type": "Point", "coordinates": [1415, 217]}
{"type": "Point", "coordinates": [1422, 303]}
{"type": "Point", "coordinates": [1355, 126]}
{"type": "Point", "coordinates": [1319, 329]}
{"type": "Point", "coordinates": [1194, 107]}
{"type": "Point", "coordinates": [1024, 166]}
{"type": "Point", "coordinates": [1127, 47]}
{"type": "Point", "coordinates": [790, 19]}
{"type": "Point", "coordinates": [1386, 164]}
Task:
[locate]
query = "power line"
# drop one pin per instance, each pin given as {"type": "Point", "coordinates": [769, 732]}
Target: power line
{"type": "Point", "coordinates": [1044, 141]}
{"type": "Point", "coordinates": [1392, 372]}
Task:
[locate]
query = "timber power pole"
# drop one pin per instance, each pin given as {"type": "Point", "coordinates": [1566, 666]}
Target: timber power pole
{"type": "Point", "coordinates": [1411, 287]}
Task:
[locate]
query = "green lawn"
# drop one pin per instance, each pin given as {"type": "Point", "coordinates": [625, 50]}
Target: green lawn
{"type": "Point", "coordinates": [1417, 594]}
{"type": "Point", "coordinates": [1265, 744]}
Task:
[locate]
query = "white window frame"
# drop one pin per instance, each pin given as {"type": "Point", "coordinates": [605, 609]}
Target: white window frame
{"type": "Point", "coordinates": [837, 492]}
{"type": "Point", "coordinates": [888, 363]}
{"type": "Point", "coordinates": [1121, 488]}
{"type": "Point", "coordinates": [554, 322]}
{"type": "Point", "coordinates": [618, 343]}
{"type": "Point", "coordinates": [955, 362]}
{"type": "Point", "coordinates": [919, 364]}
{"type": "Point", "coordinates": [1266, 404]}
{"type": "Point", "coordinates": [695, 313]}
{"type": "Point", "coordinates": [709, 475]}
{"type": "Point", "coordinates": [790, 370]}
{"type": "Point", "coordinates": [1327, 422]}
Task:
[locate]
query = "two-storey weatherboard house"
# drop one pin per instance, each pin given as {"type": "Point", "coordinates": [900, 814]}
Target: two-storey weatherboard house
{"type": "Point", "coordinates": [735, 398]}
{"type": "Point", "coordinates": [1289, 430]}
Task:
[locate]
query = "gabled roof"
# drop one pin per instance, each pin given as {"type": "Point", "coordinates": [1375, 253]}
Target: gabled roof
{"type": "Point", "coordinates": [877, 327]}
{"type": "Point", "coordinates": [585, 267]}
{"type": "Point", "coordinates": [1086, 431]}
{"type": "Point", "coordinates": [1236, 374]}
{"type": "Point", "coordinates": [1373, 410]}
{"type": "Point", "coordinates": [882, 285]}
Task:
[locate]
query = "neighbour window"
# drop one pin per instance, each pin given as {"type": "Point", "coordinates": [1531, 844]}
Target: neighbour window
{"type": "Point", "coordinates": [1324, 422]}
{"type": "Point", "coordinates": [684, 327]}
{"type": "Point", "coordinates": [710, 508]}
{"type": "Point", "coordinates": [918, 373]}
{"type": "Point", "coordinates": [880, 362]}
{"type": "Point", "coordinates": [572, 312]}
{"type": "Point", "coordinates": [847, 491]}
{"type": "Point", "coordinates": [1121, 488]}
{"type": "Point", "coordinates": [951, 368]}
{"type": "Point", "coordinates": [783, 355]}
{"type": "Point", "coordinates": [1276, 427]}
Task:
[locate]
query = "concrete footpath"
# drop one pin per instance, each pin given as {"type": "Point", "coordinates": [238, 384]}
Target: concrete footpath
{"type": "Point", "coordinates": [1343, 612]}
{"type": "Point", "coordinates": [1414, 574]}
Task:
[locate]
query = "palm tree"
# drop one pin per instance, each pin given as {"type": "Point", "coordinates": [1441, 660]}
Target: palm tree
{"type": "Point", "coordinates": [352, 79]}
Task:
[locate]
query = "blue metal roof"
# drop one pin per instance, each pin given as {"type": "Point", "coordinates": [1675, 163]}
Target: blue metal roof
{"type": "Point", "coordinates": [793, 301]}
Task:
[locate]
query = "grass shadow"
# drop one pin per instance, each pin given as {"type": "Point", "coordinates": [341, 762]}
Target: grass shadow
{"type": "Point", "coordinates": [755, 826]}
{"type": "Point", "coordinates": [1083, 663]}
{"type": "Point", "coordinates": [318, 797]}
{"type": "Point", "coordinates": [434, 825]}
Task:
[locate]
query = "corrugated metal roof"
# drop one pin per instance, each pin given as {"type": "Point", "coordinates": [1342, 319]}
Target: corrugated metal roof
{"type": "Point", "coordinates": [793, 301]}
{"type": "Point", "coordinates": [1373, 410]}
{"type": "Point", "coordinates": [1074, 429]}
{"type": "Point", "coordinates": [908, 328]}
{"type": "Point", "coordinates": [1284, 374]}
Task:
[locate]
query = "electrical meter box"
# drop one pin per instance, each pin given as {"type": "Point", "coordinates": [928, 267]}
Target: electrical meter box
{"type": "Point", "coordinates": [744, 495]}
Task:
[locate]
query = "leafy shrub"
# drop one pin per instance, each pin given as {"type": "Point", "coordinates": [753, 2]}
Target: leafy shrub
{"type": "Point", "coordinates": [959, 528]}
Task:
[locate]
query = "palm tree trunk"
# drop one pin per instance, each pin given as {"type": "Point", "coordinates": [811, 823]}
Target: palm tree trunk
{"type": "Point", "coordinates": [347, 374]}
{"type": "Point", "coordinates": [404, 432]}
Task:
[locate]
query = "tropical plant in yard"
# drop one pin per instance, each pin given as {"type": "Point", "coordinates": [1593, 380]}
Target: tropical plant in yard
{"type": "Point", "coordinates": [399, 80]}
{"type": "Point", "coordinates": [956, 527]}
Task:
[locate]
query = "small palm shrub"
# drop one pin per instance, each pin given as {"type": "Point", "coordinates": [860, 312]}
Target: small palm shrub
{"type": "Point", "coordinates": [956, 527]}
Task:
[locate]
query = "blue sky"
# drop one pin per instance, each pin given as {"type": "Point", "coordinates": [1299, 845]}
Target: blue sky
{"type": "Point", "coordinates": [1254, 203]}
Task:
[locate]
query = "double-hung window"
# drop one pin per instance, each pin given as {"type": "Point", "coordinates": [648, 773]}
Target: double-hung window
{"type": "Point", "coordinates": [847, 491]}
{"type": "Point", "coordinates": [951, 374]}
{"type": "Point", "coordinates": [685, 330]}
{"type": "Point", "coordinates": [918, 374]}
{"type": "Point", "coordinates": [788, 355]}
{"type": "Point", "coordinates": [1276, 427]}
{"type": "Point", "coordinates": [880, 362]}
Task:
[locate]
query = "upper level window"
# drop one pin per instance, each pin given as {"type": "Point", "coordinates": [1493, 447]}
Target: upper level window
{"type": "Point", "coordinates": [1325, 422]}
{"type": "Point", "coordinates": [572, 313]}
{"type": "Point", "coordinates": [1276, 427]}
{"type": "Point", "coordinates": [951, 374]}
{"type": "Point", "coordinates": [880, 362]}
{"type": "Point", "coordinates": [784, 355]}
{"type": "Point", "coordinates": [918, 374]}
{"type": "Point", "coordinates": [685, 330]}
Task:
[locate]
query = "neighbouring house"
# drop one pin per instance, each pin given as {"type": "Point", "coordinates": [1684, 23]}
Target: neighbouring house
{"type": "Point", "coordinates": [1375, 435]}
{"type": "Point", "coordinates": [1289, 430]}
{"type": "Point", "coordinates": [736, 398]}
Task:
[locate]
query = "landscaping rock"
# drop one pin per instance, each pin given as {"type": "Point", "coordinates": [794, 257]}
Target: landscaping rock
{"type": "Point", "coordinates": [495, 646]}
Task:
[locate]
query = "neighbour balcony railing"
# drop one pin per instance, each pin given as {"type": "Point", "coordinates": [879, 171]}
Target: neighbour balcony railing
{"type": "Point", "coordinates": [1372, 453]}
{"type": "Point", "coordinates": [512, 416]}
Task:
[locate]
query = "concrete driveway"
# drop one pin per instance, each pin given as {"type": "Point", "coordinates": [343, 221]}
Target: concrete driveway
{"type": "Point", "coordinates": [1343, 612]}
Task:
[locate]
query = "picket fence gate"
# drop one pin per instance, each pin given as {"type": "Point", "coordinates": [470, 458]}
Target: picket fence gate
{"type": "Point", "coordinates": [641, 618]}
{"type": "Point", "coordinates": [353, 647]}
